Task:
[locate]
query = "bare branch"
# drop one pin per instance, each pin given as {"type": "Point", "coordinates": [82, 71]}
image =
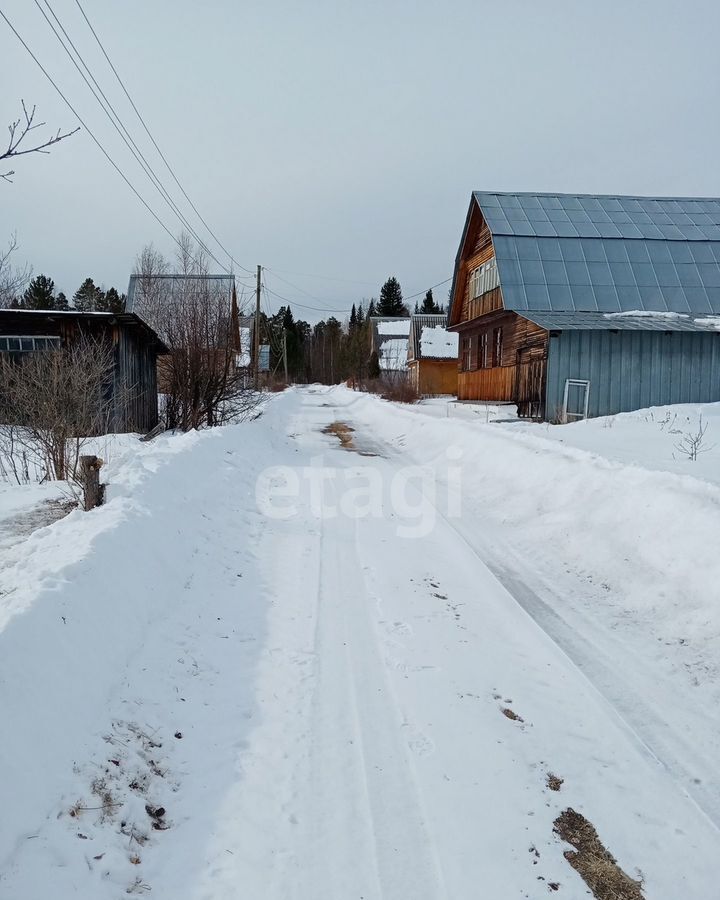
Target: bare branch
{"type": "Point", "coordinates": [20, 129]}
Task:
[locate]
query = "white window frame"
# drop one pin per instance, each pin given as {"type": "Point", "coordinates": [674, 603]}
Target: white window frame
{"type": "Point", "coordinates": [576, 382]}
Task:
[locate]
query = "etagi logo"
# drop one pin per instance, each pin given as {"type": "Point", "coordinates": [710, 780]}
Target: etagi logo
{"type": "Point", "coordinates": [413, 496]}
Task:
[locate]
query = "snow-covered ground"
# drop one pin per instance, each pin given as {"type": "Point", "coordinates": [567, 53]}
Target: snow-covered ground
{"type": "Point", "coordinates": [271, 667]}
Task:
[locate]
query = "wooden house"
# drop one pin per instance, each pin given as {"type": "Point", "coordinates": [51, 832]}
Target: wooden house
{"type": "Point", "coordinates": [133, 389]}
{"type": "Point", "coordinates": [432, 355]}
{"type": "Point", "coordinates": [576, 305]}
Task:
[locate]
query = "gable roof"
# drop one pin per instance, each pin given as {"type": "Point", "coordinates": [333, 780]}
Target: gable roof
{"type": "Point", "coordinates": [602, 253]}
{"type": "Point", "coordinates": [429, 338]}
{"type": "Point", "coordinates": [389, 339]}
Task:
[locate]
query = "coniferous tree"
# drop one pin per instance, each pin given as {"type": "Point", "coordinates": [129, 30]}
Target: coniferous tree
{"type": "Point", "coordinates": [360, 317]}
{"type": "Point", "coordinates": [61, 302]}
{"type": "Point", "coordinates": [429, 305]}
{"type": "Point", "coordinates": [391, 299]}
{"type": "Point", "coordinates": [417, 308]}
{"type": "Point", "coordinates": [40, 293]}
{"type": "Point", "coordinates": [372, 311]}
{"type": "Point", "coordinates": [353, 318]}
{"type": "Point", "coordinates": [114, 302]}
{"type": "Point", "coordinates": [86, 297]}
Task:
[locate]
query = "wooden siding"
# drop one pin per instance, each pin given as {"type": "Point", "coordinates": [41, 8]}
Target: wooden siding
{"type": "Point", "coordinates": [133, 387]}
{"type": "Point", "coordinates": [431, 377]}
{"type": "Point", "coordinates": [478, 249]}
{"type": "Point", "coordinates": [520, 376]}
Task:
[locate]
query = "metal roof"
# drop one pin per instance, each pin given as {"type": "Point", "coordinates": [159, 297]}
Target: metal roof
{"type": "Point", "coordinates": [596, 253]}
{"type": "Point", "coordinates": [595, 321]}
{"type": "Point", "coordinates": [173, 285]}
{"type": "Point", "coordinates": [418, 321]}
{"type": "Point", "coordinates": [601, 216]}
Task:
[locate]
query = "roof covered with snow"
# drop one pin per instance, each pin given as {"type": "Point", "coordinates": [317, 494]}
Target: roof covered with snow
{"type": "Point", "coordinates": [389, 339]}
{"type": "Point", "coordinates": [429, 338]}
{"type": "Point", "coordinates": [601, 253]}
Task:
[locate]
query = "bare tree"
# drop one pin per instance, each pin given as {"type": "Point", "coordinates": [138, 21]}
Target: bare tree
{"type": "Point", "coordinates": [197, 317]}
{"type": "Point", "coordinates": [19, 130]}
{"type": "Point", "coordinates": [51, 402]}
{"type": "Point", "coordinates": [12, 279]}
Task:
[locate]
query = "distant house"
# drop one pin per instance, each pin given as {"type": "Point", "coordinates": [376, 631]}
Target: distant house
{"type": "Point", "coordinates": [389, 339]}
{"type": "Point", "coordinates": [583, 305]}
{"type": "Point", "coordinates": [133, 388]}
{"type": "Point", "coordinates": [432, 355]}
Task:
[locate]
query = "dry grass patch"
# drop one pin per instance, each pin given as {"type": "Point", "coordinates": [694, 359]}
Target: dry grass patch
{"type": "Point", "coordinates": [511, 714]}
{"type": "Point", "coordinates": [554, 782]}
{"type": "Point", "coordinates": [593, 862]}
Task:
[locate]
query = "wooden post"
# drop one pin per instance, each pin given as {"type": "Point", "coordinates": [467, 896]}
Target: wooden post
{"type": "Point", "coordinates": [93, 491]}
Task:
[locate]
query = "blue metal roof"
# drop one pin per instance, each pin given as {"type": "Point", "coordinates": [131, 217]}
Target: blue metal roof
{"type": "Point", "coordinates": [566, 253]}
{"type": "Point", "coordinates": [596, 216]}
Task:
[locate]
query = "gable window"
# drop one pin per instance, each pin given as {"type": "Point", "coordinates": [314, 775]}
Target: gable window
{"type": "Point", "coordinates": [466, 354]}
{"type": "Point", "coordinates": [497, 346]}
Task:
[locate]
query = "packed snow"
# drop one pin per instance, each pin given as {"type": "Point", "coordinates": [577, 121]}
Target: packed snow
{"type": "Point", "coordinates": [276, 665]}
{"type": "Point", "coordinates": [438, 343]}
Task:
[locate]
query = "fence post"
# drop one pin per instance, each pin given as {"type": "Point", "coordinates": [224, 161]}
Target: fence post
{"type": "Point", "coordinates": [90, 479]}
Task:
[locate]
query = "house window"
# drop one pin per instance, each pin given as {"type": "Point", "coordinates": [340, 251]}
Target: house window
{"type": "Point", "coordinates": [28, 344]}
{"type": "Point", "coordinates": [497, 346]}
{"type": "Point", "coordinates": [483, 351]}
{"type": "Point", "coordinates": [483, 279]}
{"type": "Point", "coordinates": [466, 352]}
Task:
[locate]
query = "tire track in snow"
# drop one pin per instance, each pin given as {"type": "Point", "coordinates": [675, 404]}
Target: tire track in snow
{"type": "Point", "coordinates": [366, 807]}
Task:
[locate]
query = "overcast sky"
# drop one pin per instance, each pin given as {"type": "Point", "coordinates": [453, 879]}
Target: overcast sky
{"type": "Point", "coordinates": [338, 142]}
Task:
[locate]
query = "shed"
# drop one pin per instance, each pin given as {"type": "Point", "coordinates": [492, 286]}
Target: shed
{"type": "Point", "coordinates": [432, 355]}
{"type": "Point", "coordinates": [574, 304]}
{"type": "Point", "coordinates": [136, 348]}
{"type": "Point", "coordinates": [389, 339]}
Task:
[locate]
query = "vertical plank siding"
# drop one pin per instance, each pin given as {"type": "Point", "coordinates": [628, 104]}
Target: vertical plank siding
{"type": "Point", "coordinates": [634, 369]}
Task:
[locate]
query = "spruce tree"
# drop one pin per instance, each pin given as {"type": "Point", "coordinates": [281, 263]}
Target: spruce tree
{"type": "Point", "coordinates": [417, 308]}
{"type": "Point", "coordinates": [429, 305]}
{"type": "Point", "coordinates": [353, 318]}
{"type": "Point", "coordinates": [391, 299]}
{"type": "Point", "coordinates": [360, 318]}
{"type": "Point", "coordinates": [40, 293]}
{"type": "Point", "coordinates": [114, 302]}
{"type": "Point", "coordinates": [61, 302]}
{"type": "Point", "coordinates": [86, 297]}
{"type": "Point", "coordinates": [372, 311]}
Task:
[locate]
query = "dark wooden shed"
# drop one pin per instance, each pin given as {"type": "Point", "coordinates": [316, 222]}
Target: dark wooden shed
{"type": "Point", "coordinates": [136, 348]}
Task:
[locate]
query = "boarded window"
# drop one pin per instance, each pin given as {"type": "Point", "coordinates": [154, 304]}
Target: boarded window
{"type": "Point", "coordinates": [497, 346]}
{"type": "Point", "coordinates": [483, 352]}
{"type": "Point", "coordinates": [466, 353]}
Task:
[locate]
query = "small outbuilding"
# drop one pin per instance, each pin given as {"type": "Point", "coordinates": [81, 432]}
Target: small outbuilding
{"type": "Point", "coordinates": [133, 389]}
{"type": "Point", "coordinates": [389, 340]}
{"type": "Point", "coordinates": [432, 355]}
{"type": "Point", "coordinates": [575, 305]}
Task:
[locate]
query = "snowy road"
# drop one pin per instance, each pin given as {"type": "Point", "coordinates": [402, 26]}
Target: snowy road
{"type": "Point", "coordinates": [365, 711]}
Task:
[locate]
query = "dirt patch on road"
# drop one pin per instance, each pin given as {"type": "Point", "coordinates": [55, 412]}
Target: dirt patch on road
{"type": "Point", "coordinates": [593, 862]}
{"type": "Point", "coordinates": [343, 432]}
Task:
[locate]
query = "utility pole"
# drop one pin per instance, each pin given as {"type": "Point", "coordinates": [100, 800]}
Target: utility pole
{"type": "Point", "coordinates": [257, 330]}
{"type": "Point", "coordinates": [285, 353]}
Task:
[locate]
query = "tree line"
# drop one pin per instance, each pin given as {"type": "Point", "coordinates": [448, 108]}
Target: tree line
{"type": "Point", "coordinates": [40, 294]}
{"type": "Point", "coordinates": [332, 351]}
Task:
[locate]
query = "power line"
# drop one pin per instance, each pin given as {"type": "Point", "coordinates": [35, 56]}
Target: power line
{"type": "Point", "coordinates": [154, 142]}
{"type": "Point", "coordinates": [90, 132]}
{"type": "Point", "coordinates": [118, 125]}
